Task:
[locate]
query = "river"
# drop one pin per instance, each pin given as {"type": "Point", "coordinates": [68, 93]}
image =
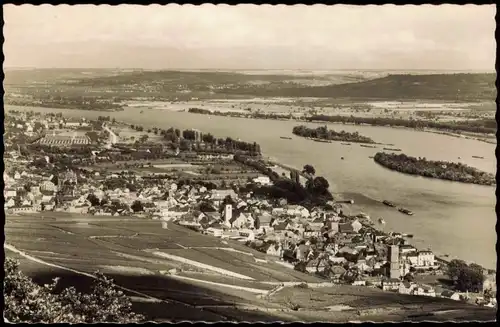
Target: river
{"type": "Point", "coordinates": [450, 217]}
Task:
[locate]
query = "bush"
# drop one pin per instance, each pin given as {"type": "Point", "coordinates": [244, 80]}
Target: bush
{"type": "Point", "coordinates": [26, 301]}
{"type": "Point", "coordinates": [302, 285]}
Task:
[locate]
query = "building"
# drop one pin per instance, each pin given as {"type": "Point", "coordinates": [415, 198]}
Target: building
{"type": "Point", "coordinates": [425, 259]}
{"type": "Point", "coordinates": [263, 180]}
{"type": "Point", "coordinates": [406, 288]}
{"type": "Point", "coordinates": [450, 295]}
{"type": "Point", "coordinates": [391, 284]}
{"type": "Point", "coordinates": [394, 271]}
{"type": "Point", "coordinates": [424, 291]}
{"type": "Point", "coordinates": [273, 249]}
{"type": "Point", "coordinates": [228, 213]}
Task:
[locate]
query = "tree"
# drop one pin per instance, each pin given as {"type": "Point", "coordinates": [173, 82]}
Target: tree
{"type": "Point", "coordinates": [321, 184]}
{"type": "Point", "coordinates": [93, 199]}
{"type": "Point", "coordinates": [137, 206]}
{"type": "Point", "coordinates": [308, 169]}
{"type": "Point", "coordinates": [409, 277]}
{"type": "Point", "coordinates": [257, 223]}
{"type": "Point", "coordinates": [466, 277]}
{"type": "Point", "coordinates": [27, 302]}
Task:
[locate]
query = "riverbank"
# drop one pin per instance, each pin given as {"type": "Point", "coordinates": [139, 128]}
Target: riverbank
{"type": "Point", "coordinates": [450, 171]}
{"type": "Point", "coordinates": [489, 137]}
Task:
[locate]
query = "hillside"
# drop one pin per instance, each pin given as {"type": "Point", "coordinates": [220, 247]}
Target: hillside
{"type": "Point", "coordinates": [449, 87]}
{"type": "Point", "coordinates": [137, 254]}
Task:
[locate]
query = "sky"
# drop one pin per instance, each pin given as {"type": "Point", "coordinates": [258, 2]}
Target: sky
{"type": "Point", "coordinates": [317, 37]}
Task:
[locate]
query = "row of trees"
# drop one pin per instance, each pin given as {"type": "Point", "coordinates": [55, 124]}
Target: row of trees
{"type": "Point", "coordinates": [191, 136]}
{"type": "Point", "coordinates": [324, 133]}
{"type": "Point", "coordinates": [434, 169]}
{"type": "Point", "coordinates": [485, 126]}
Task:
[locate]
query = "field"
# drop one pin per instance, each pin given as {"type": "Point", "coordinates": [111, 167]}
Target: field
{"type": "Point", "coordinates": [71, 246]}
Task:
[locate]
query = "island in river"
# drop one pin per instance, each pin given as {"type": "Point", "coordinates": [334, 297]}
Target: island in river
{"type": "Point", "coordinates": [434, 169]}
{"type": "Point", "coordinates": [323, 133]}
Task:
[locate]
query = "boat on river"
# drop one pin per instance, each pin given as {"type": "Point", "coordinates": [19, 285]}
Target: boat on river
{"type": "Point", "coordinates": [363, 215]}
{"type": "Point", "coordinates": [406, 211]}
{"type": "Point", "coordinates": [341, 158]}
{"type": "Point", "coordinates": [388, 203]}
{"type": "Point", "coordinates": [391, 149]}
{"type": "Point", "coordinates": [367, 146]}
{"type": "Point", "coordinates": [322, 141]}
{"type": "Point", "coordinates": [477, 157]}
{"type": "Point", "coordinates": [381, 221]}
{"type": "Point", "coordinates": [285, 138]}
{"type": "Point", "coordinates": [371, 157]}
{"type": "Point", "coordinates": [345, 143]}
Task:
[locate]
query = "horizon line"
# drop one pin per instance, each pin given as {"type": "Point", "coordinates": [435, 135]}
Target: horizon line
{"type": "Point", "coordinates": [248, 69]}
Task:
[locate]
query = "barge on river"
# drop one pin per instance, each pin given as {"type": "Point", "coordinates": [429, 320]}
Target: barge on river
{"type": "Point", "coordinates": [285, 138]}
{"type": "Point", "coordinates": [477, 157]}
{"type": "Point", "coordinates": [391, 149]}
{"type": "Point", "coordinates": [406, 211]}
{"type": "Point", "coordinates": [388, 203]}
{"type": "Point", "coordinates": [368, 146]}
{"type": "Point", "coordinates": [322, 141]}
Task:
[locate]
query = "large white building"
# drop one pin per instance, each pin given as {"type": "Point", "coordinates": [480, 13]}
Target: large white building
{"type": "Point", "coordinates": [425, 259]}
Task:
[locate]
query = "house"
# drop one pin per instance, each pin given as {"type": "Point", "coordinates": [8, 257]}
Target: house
{"type": "Point", "coordinates": [316, 265]}
{"type": "Point", "coordinates": [406, 248]}
{"type": "Point", "coordinates": [346, 228]}
{"type": "Point", "coordinates": [316, 224]}
{"type": "Point", "coordinates": [406, 288]}
{"type": "Point", "coordinates": [336, 273]}
{"type": "Point", "coordinates": [214, 231]}
{"type": "Point", "coordinates": [247, 235]}
{"type": "Point", "coordinates": [238, 220]}
{"type": "Point", "coordinates": [10, 193]}
{"type": "Point", "coordinates": [425, 259]}
{"type": "Point", "coordinates": [490, 282]}
{"type": "Point", "coordinates": [218, 196]}
{"type": "Point", "coordinates": [277, 211]}
{"type": "Point", "coordinates": [301, 252]}
{"type": "Point", "coordinates": [26, 209]}
{"type": "Point", "coordinates": [9, 203]}
{"type": "Point", "coordinates": [297, 210]}
{"type": "Point", "coordinates": [359, 282]}
{"type": "Point", "coordinates": [356, 226]}
{"type": "Point", "coordinates": [311, 233]}
{"type": "Point", "coordinates": [412, 258]}
{"type": "Point", "coordinates": [273, 249]}
{"type": "Point", "coordinates": [390, 284]}
{"type": "Point", "coordinates": [450, 295]}
{"type": "Point", "coordinates": [282, 226]}
{"type": "Point", "coordinates": [263, 180]}
{"type": "Point", "coordinates": [424, 290]}
{"type": "Point", "coordinates": [347, 249]}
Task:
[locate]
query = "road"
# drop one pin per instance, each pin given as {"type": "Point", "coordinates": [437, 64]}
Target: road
{"type": "Point", "coordinates": [113, 138]}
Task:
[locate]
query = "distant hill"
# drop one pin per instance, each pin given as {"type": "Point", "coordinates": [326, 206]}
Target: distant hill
{"type": "Point", "coordinates": [461, 86]}
{"type": "Point", "coordinates": [347, 85]}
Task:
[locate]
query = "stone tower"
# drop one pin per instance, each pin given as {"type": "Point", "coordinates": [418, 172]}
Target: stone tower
{"type": "Point", "coordinates": [394, 271]}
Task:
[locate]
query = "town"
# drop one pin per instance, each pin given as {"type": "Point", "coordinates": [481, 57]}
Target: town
{"type": "Point", "coordinates": [215, 186]}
